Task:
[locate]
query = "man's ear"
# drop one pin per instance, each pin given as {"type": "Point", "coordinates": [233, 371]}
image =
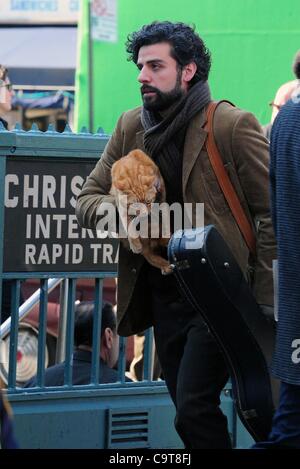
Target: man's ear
{"type": "Point", "coordinates": [189, 71]}
{"type": "Point", "coordinates": [108, 338]}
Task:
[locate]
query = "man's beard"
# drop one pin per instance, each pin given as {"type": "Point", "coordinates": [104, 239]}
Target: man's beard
{"type": "Point", "coordinates": [162, 100]}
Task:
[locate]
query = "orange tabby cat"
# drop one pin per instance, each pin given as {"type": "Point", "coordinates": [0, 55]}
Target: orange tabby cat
{"type": "Point", "coordinates": [138, 178]}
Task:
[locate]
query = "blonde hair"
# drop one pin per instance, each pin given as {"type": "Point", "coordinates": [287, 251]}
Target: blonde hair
{"type": "Point", "coordinates": [3, 72]}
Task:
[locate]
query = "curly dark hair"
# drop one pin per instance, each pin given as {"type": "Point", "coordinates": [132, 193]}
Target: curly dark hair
{"type": "Point", "coordinates": [186, 45]}
{"type": "Point", "coordinates": [296, 65]}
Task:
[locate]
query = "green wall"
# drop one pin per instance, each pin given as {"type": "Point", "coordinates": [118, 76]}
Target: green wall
{"type": "Point", "coordinates": [252, 43]}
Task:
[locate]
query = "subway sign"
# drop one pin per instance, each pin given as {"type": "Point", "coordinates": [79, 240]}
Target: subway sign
{"type": "Point", "coordinates": [41, 232]}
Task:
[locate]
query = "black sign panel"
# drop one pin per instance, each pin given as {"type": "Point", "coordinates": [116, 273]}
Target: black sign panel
{"type": "Point", "coordinates": [41, 231]}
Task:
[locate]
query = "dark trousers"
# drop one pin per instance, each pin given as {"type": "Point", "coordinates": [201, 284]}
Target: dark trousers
{"type": "Point", "coordinates": [194, 370]}
{"type": "Point", "coordinates": [286, 422]}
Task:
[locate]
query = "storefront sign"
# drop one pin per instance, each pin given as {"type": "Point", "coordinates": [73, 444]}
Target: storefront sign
{"type": "Point", "coordinates": [39, 11]}
{"type": "Point", "coordinates": [104, 20]}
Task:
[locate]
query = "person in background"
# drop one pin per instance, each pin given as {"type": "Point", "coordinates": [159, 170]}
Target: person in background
{"type": "Point", "coordinates": [82, 357]}
{"type": "Point", "coordinates": [6, 93]}
{"type": "Point", "coordinates": [284, 93]}
{"type": "Point", "coordinates": [7, 437]}
{"type": "Point", "coordinates": [285, 205]}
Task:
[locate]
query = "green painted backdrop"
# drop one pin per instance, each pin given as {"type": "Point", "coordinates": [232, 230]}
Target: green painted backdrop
{"type": "Point", "coordinates": [252, 43]}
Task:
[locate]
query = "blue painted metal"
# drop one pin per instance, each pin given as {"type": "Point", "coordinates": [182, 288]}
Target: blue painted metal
{"type": "Point", "coordinates": [243, 438]}
{"type": "Point", "coordinates": [42, 333]}
{"type": "Point", "coordinates": [147, 372]}
{"type": "Point", "coordinates": [70, 333]}
{"type": "Point", "coordinates": [2, 185]}
{"type": "Point", "coordinates": [80, 418]}
{"type": "Point", "coordinates": [122, 359]}
{"type": "Point", "coordinates": [96, 331]}
{"type": "Point", "coordinates": [13, 343]}
{"type": "Point", "coordinates": [25, 275]}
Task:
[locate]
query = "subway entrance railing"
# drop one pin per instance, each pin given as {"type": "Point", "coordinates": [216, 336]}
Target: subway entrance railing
{"type": "Point", "coordinates": [41, 244]}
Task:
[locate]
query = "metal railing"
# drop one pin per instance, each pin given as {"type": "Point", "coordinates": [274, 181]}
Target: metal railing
{"type": "Point", "coordinates": [28, 305]}
{"type": "Point", "coordinates": [65, 338]}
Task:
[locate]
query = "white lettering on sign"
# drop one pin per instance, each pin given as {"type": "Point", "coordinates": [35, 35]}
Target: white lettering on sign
{"type": "Point", "coordinates": [28, 226]}
{"type": "Point", "coordinates": [103, 253]}
{"type": "Point", "coordinates": [42, 227]}
{"type": "Point", "coordinates": [43, 209]}
{"type": "Point", "coordinates": [68, 253]}
{"type": "Point", "coordinates": [49, 185]}
{"type": "Point", "coordinates": [10, 202]}
{"type": "Point", "coordinates": [58, 226]}
{"type": "Point", "coordinates": [76, 185]}
{"type": "Point", "coordinates": [41, 191]}
{"type": "Point", "coordinates": [31, 190]}
{"type": "Point", "coordinates": [104, 20]}
{"type": "Point", "coordinates": [33, 5]}
{"type": "Point", "coordinates": [73, 227]}
{"type": "Point", "coordinates": [63, 183]}
{"type": "Point", "coordinates": [48, 226]}
{"type": "Point", "coordinates": [45, 254]}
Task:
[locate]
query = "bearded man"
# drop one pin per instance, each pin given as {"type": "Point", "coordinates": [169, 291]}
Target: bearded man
{"type": "Point", "coordinates": [173, 65]}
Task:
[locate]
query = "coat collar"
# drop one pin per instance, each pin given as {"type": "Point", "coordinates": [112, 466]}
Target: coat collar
{"type": "Point", "coordinates": [82, 355]}
{"type": "Point", "coordinates": [85, 356]}
{"type": "Point", "coordinates": [194, 141]}
{"type": "Point", "coordinates": [140, 140]}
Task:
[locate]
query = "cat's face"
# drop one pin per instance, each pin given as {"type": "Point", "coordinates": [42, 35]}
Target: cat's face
{"type": "Point", "coordinates": [137, 177]}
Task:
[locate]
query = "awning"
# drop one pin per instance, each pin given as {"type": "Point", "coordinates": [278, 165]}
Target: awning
{"type": "Point", "coordinates": [39, 56]}
{"type": "Point", "coordinates": [49, 100]}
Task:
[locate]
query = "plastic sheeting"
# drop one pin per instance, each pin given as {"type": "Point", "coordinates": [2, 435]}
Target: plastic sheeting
{"type": "Point", "coordinates": [59, 100]}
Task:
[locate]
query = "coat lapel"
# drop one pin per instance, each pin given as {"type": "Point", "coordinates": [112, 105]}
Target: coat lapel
{"type": "Point", "coordinates": [194, 141]}
{"type": "Point", "coordinates": [140, 140]}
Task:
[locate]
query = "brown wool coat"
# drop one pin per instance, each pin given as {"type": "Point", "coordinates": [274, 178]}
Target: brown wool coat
{"type": "Point", "coordinates": [245, 154]}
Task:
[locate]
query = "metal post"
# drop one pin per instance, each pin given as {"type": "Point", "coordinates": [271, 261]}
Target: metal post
{"type": "Point", "coordinates": [62, 324]}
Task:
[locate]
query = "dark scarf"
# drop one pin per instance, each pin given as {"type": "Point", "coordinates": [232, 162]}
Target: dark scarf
{"type": "Point", "coordinates": [164, 136]}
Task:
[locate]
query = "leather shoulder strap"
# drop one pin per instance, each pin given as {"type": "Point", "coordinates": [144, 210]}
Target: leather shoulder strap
{"type": "Point", "coordinates": [224, 181]}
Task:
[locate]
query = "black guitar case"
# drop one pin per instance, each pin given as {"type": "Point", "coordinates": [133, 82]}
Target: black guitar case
{"type": "Point", "coordinates": [214, 284]}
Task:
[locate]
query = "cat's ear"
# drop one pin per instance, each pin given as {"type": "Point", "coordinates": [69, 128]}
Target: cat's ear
{"type": "Point", "coordinates": [157, 184]}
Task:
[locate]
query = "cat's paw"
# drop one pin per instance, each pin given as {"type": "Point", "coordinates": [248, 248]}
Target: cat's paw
{"type": "Point", "coordinates": [167, 270]}
{"type": "Point", "coordinates": [135, 245]}
{"type": "Point", "coordinates": [137, 249]}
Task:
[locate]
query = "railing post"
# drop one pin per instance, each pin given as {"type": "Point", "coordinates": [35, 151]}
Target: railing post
{"type": "Point", "coordinates": [62, 325]}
